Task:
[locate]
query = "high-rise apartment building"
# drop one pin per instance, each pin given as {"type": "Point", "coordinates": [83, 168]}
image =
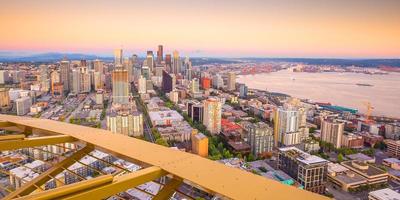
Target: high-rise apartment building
{"type": "Point", "coordinates": [309, 170]}
{"type": "Point", "coordinates": [120, 85]}
{"type": "Point", "coordinates": [4, 97]}
{"type": "Point", "coordinates": [194, 86]}
{"type": "Point", "coordinates": [4, 77]}
{"type": "Point", "coordinates": [212, 115]}
{"type": "Point", "coordinates": [286, 124]}
{"type": "Point", "coordinates": [217, 81]}
{"type": "Point", "coordinates": [243, 90]}
{"type": "Point", "coordinates": [261, 138]}
{"type": "Point", "coordinates": [188, 69]}
{"type": "Point", "coordinates": [130, 124]}
{"type": "Point", "coordinates": [332, 132]}
{"type": "Point", "coordinates": [231, 85]}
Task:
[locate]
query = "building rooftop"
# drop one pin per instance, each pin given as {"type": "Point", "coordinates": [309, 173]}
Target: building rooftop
{"type": "Point", "coordinates": [302, 156]}
{"type": "Point", "coordinates": [360, 157]}
{"type": "Point", "coordinates": [385, 194]}
{"type": "Point", "coordinates": [165, 115]}
{"type": "Point", "coordinates": [363, 168]}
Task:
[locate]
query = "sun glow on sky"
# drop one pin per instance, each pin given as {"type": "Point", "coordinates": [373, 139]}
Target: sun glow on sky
{"type": "Point", "coordinates": [302, 28]}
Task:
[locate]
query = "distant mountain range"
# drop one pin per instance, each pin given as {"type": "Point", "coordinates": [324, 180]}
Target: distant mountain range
{"type": "Point", "coordinates": [47, 57]}
{"type": "Point", "coordinates": [54, 56]}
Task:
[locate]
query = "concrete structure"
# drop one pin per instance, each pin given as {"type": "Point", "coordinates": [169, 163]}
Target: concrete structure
{"type": "Point", "coordinates": [374, 175]}
{"type": "Point", "coordinates": [212, 115]}
{"type": "Point", "coordinates": [142, 85]}
{"type": "Point", "coordinates": [130, 124]}
{"type": "Point", "coordinates": [23, 105]}
{"type": "Point", "coordinates": [309, 170]}
{"type": "Point", "coordinates": [286, 124]}
{"type": "Point", "coordinates": [4, 77]}
{"type": "Point", "coordinates": [332, 132]}
{"type": "Point", "coordinates": [231, 86]}
{"type": "Point", "coordinates": [352, 141]}
{"type": "Point", "coordinates": [261, 138]}
{"type": "Point", "coordinates": [195, 111]}
{"type": "Point", "coordinates": [4, 97]}
{"type": "Point", "coordinates": [344, 178]}
{"type": "Point", "coordinates": [393, 147]}
{"type": "Point", "coordinates": [384, 194]}
{"type": "Point", "coordinates": [120, 86]}
{"type": "Point", "coordinates": [165, 118]}
{"type": "Point", "coordinates": [200, 144]}
{"type": "Point", "coordinates": [168, 82]}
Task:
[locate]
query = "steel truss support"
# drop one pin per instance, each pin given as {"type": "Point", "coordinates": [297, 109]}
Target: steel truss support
{"type": "Point", "coordinates": [168, 190]}
{"type": "Point", "coordinates": [52, 172]}
{"type": "Point", "coordinates": [120, 184]}
{"type": "Point", "coordinates": [12, 137]}
{"type": "Point", "coordinates": [32, 142]}
{"type": "Point", "coordinates": [58, 193]}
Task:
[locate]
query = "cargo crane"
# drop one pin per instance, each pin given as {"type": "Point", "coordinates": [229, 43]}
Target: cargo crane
{"type": "Point", "coordinates": [369, 112]}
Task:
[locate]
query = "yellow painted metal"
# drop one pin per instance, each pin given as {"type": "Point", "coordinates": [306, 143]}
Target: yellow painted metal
{"type": "Point", "coordinates": [6, 124]}
{"type": "Point", "coordinates": [58, 193]}
{"type": "Point", "coordinates": [120, 184]}
{"type": "Point", "coordinates": [32, 142]}
{"type": "Point", "coordinates": [210, 175]}
{"type": "Point", "coordinates": [168, 190]}
{"type": "Point", "coordinates": [46, 176]}
{"type": "Point", "coordinates": [12, 137]}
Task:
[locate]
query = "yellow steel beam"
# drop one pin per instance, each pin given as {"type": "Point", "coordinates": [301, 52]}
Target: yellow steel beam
{"type": "Point", "coordinates": [168, 190]}
{"type": "Point", "coordinates": [32, 142]}
{"type": "Point", "coordinates": [59, 192]}
{"type": "Point", "coordinates": [12, 137]}
{"type": "Point", "coordinates": [45, 176]}
{"type": "Point", "coordinates": [6, 124]}
{"type": "Point", "coordinates": [120, 184]}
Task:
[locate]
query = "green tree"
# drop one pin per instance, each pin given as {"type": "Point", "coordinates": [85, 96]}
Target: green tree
{"type": "Point", "coordinates": [340, 157]}
{"type": "Point", "coordinates": [162, 142]}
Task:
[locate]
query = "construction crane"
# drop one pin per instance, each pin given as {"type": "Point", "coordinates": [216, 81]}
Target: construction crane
{"type": "Point", "coordinates": [369, 111]}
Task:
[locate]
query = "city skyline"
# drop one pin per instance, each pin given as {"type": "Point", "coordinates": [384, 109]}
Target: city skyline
{"type": "Point", "coordinates": [356, 29]}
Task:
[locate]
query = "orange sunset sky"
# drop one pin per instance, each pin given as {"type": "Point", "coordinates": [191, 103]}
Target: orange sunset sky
{"type": "Point", "coordinates": [301, 28]}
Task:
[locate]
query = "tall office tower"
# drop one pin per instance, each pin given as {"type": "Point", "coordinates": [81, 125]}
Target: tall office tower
{"type": "Point", "coordinates": [125, 123]}
{"type": "Point", "coordinates": [4, 77]}
{"type": "Point", "coordinates": [217, 81]}
{"type": "Point", "coordinates": [188, 69]}
{"type": "Point", "coordinates": [212, 115]}
{"type": "Point", "coordinates": [286, 124]}
{"type": "Point", "coordinates": [5, 97]}
{"type": "Point", "coordinates": [168, 82]}
{"type": "Point", "coordinates": [160, 54]}
{"type": "Point", "coordinates": [135, 60]}
{"type": "Point", "coordinates": [332, 132]}
{"type": "Point", "coordinates": [309, 170]}
{"type": "Point", "coordinates": [176, 63]}
{"type": "Point", "coordinates": [120, 85]}
{"type": "Point", "coordinates": [98, 66]}
{"type": "Point", "coordinates": [142, 85]}
{"type": "Point", "coordinates": [118, 55]}
{"type": "Point", "coordinates": [205, 83]}
{"type": "Point", "coordinates": [44, 78]}
{"type": "Point", "coordinates": [194, 86]}
{"type": "Point", "coordinates": [195, 111]}
{"type": "Point", "coordinates": [23, 105]}
{"type": "Point", "coordinates": [261, 138]}
{"type": "Point", "coordinates": [231, 81]}
{"type": "Point", "coordinates": [76, 82]}
{"type": "Point", "coordinates": [150, 62]}
{"type": "Point", "coordinates": [65, 73]}
{"type": "Point", "coordinates": [243, 90]}
{"type": "Point", "coordinates": [168, 63]}
{"type": "Point", "coordinates": [85, 80]}
{"type": "Point", "coordinates": [98, 80]}
{"type": "Point", "coordinates": [83, 63]}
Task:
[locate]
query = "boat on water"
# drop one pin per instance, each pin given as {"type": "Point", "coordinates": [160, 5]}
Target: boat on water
{"type": "Point", "coordinates": [364, 84]}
